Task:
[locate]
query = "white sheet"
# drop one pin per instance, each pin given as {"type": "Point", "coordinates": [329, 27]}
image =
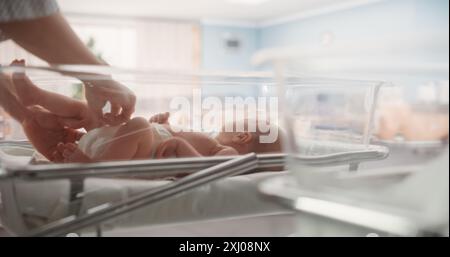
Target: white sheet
{"type": "Point", "coordinates": [30, 204]}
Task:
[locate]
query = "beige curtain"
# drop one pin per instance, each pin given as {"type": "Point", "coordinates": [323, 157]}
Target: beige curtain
{"type": "Point", "coordinates": [130, 43]}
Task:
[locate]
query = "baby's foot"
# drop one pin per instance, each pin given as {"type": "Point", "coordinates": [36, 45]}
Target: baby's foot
{"type": "Point", "coordinates": [27, 92]}
{"type": "Point", "coordinates": [71, 153]}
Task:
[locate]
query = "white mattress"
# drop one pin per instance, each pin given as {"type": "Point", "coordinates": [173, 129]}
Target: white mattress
{"type": "Point", "coordinates": [26, 205]}
{"type": "Point", "coordinates": [30, 204]}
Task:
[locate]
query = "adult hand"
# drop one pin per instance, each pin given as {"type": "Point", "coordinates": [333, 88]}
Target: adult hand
{"type": "Point", "coordinates": [122, 100]}
{"type": "Point", "coordinates": [45, 132]}
{"type": "Point", "coordinates": [72, 113]}
{"type": "Point", "coordinates": [51, 39]}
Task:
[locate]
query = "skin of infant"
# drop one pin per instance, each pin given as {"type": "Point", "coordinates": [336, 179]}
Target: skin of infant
{"type": "Point", "coordinates": [134, 141]}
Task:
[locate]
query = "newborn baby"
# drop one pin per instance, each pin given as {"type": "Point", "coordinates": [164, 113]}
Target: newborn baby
{"type": "Point", "coordinates": [137, 138]}
{"type": "Point", "coordinates": [142, 139]}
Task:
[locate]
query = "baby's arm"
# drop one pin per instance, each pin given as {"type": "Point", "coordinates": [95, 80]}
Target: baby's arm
{"type": "Point", "coordinates": [181, 147]}
{"type": "Point", "coordinates": [176, 147]}
{"type": "Point", "coordinates": [221, 150]}
{"type": "Point", "coordinates": [202, 144]}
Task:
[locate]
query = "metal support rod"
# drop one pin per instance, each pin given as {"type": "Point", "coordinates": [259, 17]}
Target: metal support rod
{"type": "Point", "coordinates": [147, 168]}
{"type": "Point", "coordinates": [238, 165]}
{"type": "Point", "coordinates": [170, 167]}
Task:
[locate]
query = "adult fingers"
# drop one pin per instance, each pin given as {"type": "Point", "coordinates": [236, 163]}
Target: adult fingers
{"type": "Point", "coordinates": [127, 102]}
{"type": "Point", "coordinates": [95, 102]}
{"type": "Point", "coordinates": [119, 119]}
{"type": "Point", "coordinates": [127, 111]}
{"type": "Point", "coordinates": [113, 117]}
{"type": "Point", "coordinates": [115, 109]}
{"type": "Point", "coordinates": [72, 135]}
{"type": "Point", "coordinates": [72, 122]}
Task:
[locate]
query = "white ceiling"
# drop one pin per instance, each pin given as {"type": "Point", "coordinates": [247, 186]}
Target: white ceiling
{"type": "Point", "coordinates": [204, 9]}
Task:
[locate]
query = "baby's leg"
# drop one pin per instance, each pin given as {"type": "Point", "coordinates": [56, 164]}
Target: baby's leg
{"type": "Point", "coordinates": [30, 94]}
{"type": "Point", "coordinates": [132, 141]}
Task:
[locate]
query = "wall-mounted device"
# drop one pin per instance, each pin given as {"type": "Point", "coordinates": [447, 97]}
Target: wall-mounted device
{"type": "Point", "coordinates": [231, 43]}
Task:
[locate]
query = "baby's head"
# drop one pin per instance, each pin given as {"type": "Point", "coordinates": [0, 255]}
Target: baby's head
{"type": "Point", "coordinates": [247, 139]}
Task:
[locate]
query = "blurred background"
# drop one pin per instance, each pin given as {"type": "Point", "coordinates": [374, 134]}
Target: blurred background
{"type": "Point", "coordinates": [225, 34]}
{"type": "Point", "coordinates": [405, 42]}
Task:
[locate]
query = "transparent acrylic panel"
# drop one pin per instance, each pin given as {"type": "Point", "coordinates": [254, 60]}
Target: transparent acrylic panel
{"type": "Point", "coordinates": [409, 118]}
{"type": "Point", "coordinates": [328, 117]}
{"type": "Point", "coordinates": [61, 161]}
{"type": "Point", "coordinates": [39, 188]}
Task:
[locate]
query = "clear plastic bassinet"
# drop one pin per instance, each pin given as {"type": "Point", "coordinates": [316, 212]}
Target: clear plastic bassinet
{"type": "Point", "coordinates": [41, 197]}
{"type": "Point", "coordinates": [405, 194]}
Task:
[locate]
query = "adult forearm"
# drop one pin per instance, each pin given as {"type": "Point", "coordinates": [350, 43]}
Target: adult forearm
{"type": "Point", "coordinates": [10, 103]}
{"type": "Point", "coordinates": [53, 40]}
{"type": "Point", "coordinates": [50, 38]}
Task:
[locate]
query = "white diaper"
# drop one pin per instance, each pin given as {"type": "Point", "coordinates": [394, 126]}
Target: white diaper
{"type": "Point", "coordinates": [160, 134]}
{"type": "Point", "coordinates": [95, 141]}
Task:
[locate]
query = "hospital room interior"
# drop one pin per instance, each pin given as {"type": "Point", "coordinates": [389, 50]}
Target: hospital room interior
{"type": "Point", "coordinates": [224, 118]}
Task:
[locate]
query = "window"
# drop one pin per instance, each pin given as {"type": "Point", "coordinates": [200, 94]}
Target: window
{"type": "Point", "coordinates": [130, 43]}
{"type": "Point", "coordinates": [143, 44]}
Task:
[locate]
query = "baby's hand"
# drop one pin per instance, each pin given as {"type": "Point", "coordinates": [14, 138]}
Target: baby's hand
{"type": "Point", "coordinates": [69, 153]}
{"type": "Point", "coordinates": [161, 118]}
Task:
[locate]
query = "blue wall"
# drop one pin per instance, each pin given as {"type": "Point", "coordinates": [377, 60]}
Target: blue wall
{"type": "Point", "coordinates": [389, 19]}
